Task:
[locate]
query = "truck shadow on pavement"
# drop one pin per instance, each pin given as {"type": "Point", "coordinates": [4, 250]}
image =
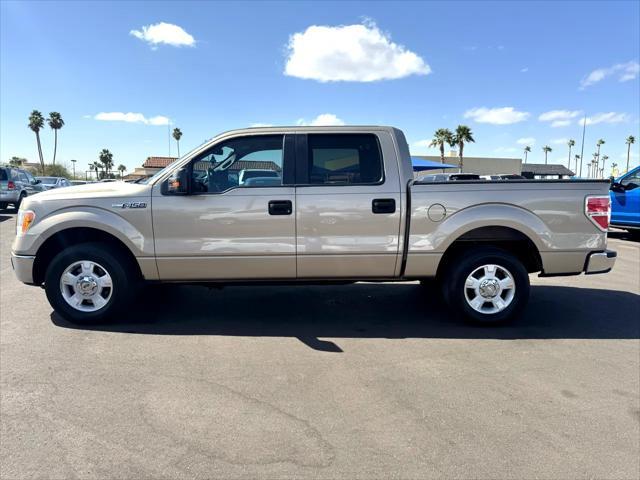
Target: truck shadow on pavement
{"type": "Point", "coordinates": [364, 310]}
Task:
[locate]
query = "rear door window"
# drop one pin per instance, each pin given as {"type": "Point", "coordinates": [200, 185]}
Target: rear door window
{"type": "Point", "coordinates": [3, 174]}
{"type": "Point", "coordinates": [344, 159]}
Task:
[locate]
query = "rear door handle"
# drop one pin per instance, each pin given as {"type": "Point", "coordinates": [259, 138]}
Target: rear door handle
{"type": "Point", "coordinates": [280, 207]}
{"type": "Point", "coordinates": [383, 205]}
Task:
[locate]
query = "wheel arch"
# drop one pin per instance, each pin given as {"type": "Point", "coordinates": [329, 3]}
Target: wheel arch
{"type": "Point", "coordinates": [65, 238]}
{"type": "Point", "coordinates": [507, 238]}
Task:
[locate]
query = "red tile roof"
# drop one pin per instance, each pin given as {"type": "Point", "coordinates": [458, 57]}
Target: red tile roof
{"type": "Point", "coordinates": [158, 162]}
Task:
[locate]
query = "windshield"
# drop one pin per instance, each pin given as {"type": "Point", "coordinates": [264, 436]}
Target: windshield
{"type": "Point", "coordinates": [48, 180]}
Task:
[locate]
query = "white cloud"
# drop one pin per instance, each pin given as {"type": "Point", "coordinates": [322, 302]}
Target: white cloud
{"type": "Point", "coordinates": [607, 117]}
{"type": "Point", "coordinates": [131, 118]}
{"type": "Point", "coordinates": [166, 33]}
{"type": "Point", "coordinates": [624, 72]}
{"type": "Point", "coordinates": [559, 141]}
{"type": "Point", "coordinates": [261, 125]}
{"type": "Point", "coordinates": [324, 119]}
{"type": "Point", "coordinates": [351, 53]}
{"type": "Point", "coordinates": [526, 141]}
{"type": "Point", "coordinates": [559, 118]}
{"type": "Point", "coordinates": [524, 70]}
{"type": "Point", "coordinates": [496, 116]}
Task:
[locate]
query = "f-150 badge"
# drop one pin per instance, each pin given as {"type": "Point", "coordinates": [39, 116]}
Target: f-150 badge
{"type": "Point", "coordinates": [129, 205]}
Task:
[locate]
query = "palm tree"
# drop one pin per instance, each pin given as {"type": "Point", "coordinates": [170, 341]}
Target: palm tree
{"type": "Point", "coordinates": [546, 149]}
{"type": "Point", "coordinates": [614, 165]}
{"type": "Point", "coordinates": [570, 144]}
{"type": "Point", "coordinates": [177, 134]}
{"type": "Point", "coordinates": [463, 135]}
{"type": "Point", "coordinates": [106, 158]}
{"type": "Point", "coordinates": [599, 143]}
{"type": "Point", "coordinates": [121, 169]}
{"type": "Point", "coordinates": [95, 166]}
{"type": "Point", "coordinates": [56, 122]}
{"type": "Point", "coordinates": [440, 137]}
{"type": "Point", "coordinates": [593, 164]}
{"type": "Point", "coordinates": [604, 160]}
{"type": "Point", "coordinates": [36, 123]}
{"type": "Point", "coordinates": [527, 149]}
{"type": "Point", "coordinates": [577, 158]}
{"type": "Point", "coordinates": [630, 141]}
{"type": "Point", "coordinates": [74, 167]}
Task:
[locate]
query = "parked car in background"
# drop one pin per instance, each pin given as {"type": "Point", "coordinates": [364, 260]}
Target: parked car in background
{"type": "Point", "coordinates": [625, 202]}
{"type": "Point", "coordinates": [15, 185]}
{"type": "Point", "coordinates": [255, 174]}
{"type": "Point", "coordinates": [449, 177]}
{"type": "Point", "coordinates": [345, 208]}
{"type": "Point", "coordinates": [503, 176]}
{"type": "Point", "coordinates": [54, 182]}
{"type": "Point", "coordinates": [79, 182]}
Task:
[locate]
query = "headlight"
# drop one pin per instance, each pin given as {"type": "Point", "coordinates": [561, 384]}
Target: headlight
{"type": "Point", "coordinates": [24, 222]}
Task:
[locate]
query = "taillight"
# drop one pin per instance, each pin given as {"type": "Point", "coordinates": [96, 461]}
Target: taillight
{"type": "Point", "coordinates": [598, 210]}
{"type": "Point", "coordinates": [11, 185]}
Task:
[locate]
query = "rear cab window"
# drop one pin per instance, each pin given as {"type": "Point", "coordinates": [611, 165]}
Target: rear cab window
{"type": "Point", "coordinates": [4, 176]}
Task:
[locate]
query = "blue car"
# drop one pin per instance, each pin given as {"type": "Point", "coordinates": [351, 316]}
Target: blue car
{"type": "Point", "coordinates": [625, 202]}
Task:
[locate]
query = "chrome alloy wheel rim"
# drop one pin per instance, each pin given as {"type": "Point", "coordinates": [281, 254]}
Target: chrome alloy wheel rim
{"type": "Point", "coordinates": [489, 289]}
{"type": "Point", "coordinates": [86, 286]}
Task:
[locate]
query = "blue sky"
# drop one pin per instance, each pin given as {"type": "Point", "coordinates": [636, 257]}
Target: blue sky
{"type": "Point", "coordinates": [495, 66]}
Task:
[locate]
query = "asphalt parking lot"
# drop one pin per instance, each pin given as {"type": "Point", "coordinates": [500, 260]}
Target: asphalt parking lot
{"type": "Point", "coordinates": [362, 381]}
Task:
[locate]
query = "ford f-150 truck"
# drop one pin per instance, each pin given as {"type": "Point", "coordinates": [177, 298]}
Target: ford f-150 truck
{"type": "Point", "coordinates": [336, 204]}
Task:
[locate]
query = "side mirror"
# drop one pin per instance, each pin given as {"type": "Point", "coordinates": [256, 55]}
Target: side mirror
{"type": "Point", "coordinates": [177, 183]}
{"type": "Point", "coordinates": [616, 187]}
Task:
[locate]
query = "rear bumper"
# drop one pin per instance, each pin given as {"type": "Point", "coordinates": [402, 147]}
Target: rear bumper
{"type": "Point", "coordinates": [600, 262]}
{"type": "Point", "coordinates": [23, 267]}
{"type": "Point", "coordinates": [9, 196]}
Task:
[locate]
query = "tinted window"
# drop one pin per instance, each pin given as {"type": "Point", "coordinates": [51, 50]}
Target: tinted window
{"type": "Point", "coordinates": [3, 174]}
{"type": "Point", "coordinates": [240, 162]}
{"type": "Point", "coordinates": [344, 159]}
{"type": "Point", "coordinates": [631, 180]}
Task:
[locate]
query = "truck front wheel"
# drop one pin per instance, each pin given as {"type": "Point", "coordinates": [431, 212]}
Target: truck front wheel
{"type": "Point", "coordinates": [487, 286]}
{"type": "Point", "coordinates": [86, 283]}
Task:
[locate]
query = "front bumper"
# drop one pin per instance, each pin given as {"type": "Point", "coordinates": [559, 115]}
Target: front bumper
{"type": "Point", "coordinates": [600, 262]}
{"type": "Point", "coordinates": [23, 267]}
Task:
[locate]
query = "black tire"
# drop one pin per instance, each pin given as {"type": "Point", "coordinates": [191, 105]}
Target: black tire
{"type": "Point", "coordinates": [634, 233]}
{"type": "Point", "coordinates": [455, 292]}
{"type": "Point", "coordinates": [125, 281]}
{"type": "Point", "coordinates": [3, 205]}
{"type": "Point", "coordinates": [17, 205]}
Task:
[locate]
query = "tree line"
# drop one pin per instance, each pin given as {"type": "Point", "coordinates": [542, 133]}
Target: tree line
{"type": "Point", "coordinates": [595, 169]}
{"type": "Point", "coordinates": [102, 168]}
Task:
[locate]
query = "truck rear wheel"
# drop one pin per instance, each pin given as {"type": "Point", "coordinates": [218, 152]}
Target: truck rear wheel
{"type": "Point", "coordinates": [487, 286]}
{"type": "Point", "coordinates": [86, 283]}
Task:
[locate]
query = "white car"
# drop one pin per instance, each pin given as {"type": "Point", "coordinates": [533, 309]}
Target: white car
{"type": "Point", "coordinates": [49, 183]}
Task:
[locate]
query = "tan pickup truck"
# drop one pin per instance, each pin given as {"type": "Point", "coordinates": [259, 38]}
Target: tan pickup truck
{"type": "Point", "coordinates": [309, 205]}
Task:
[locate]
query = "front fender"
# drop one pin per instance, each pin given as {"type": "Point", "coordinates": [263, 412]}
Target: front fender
{"type": "Point", "coordinates": [139, 238]}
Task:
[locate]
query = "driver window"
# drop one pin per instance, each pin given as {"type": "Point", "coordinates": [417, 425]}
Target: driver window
{"type": "Point", "coordinates": [239, 163]}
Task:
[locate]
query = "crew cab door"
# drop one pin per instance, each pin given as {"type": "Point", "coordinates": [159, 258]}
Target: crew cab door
{"type": "Point", "coordinates": [348, 205]}
{"type": "Point", "coordinates": [238, 220]}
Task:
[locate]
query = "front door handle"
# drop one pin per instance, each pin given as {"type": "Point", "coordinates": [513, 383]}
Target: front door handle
{"type": "Point", "coordinates": [383, 205]}
{"type": "Point", "coordinates": [280, 207]}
